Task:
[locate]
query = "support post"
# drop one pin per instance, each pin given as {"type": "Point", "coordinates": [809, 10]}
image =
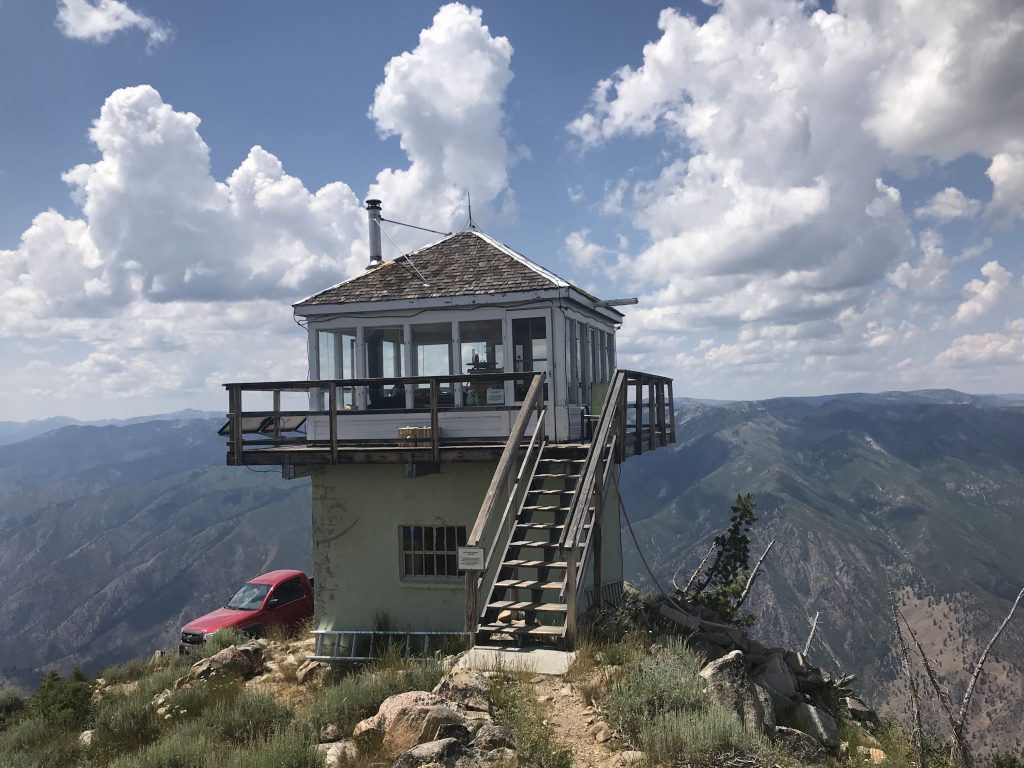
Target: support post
{"type": "Point", "coordinates": [570, 595]}
{"type": "Point", "coordinates": [472, 606]}
{"type": "Point", "coordinates": [651, 413]}
{"type": "Point", "coordinates": [435, 429]}
{"type": "Point", "coordinates": [671, 414]}
{"type": "Point", "coordinates": [235, 405]}
{"type": "Point", "coordinates": [332, 395]}
{"type": "Point", "coordinates": [662, 427]}
{"type": "Point", "coordinates": [277, 417]}
{"type": "Point", "coordinates": [595, 531]}
{"type": "Point", "coordinates": [638, 409]}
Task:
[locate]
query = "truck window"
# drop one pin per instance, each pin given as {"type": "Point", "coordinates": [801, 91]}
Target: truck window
{"type": "Point", "coordinates": [249, 597]}
{"type": "Point", "coordinates": [288, 591]}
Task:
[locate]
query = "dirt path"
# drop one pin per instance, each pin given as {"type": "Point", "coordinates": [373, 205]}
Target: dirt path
{"type": "Point", "coordinates": [572, 721]}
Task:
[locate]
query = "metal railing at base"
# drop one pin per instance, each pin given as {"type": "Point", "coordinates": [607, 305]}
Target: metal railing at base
{"type": "Point", "coordinates": [369, 644]}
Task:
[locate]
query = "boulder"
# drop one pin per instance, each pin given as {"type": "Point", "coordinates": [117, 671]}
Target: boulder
{"type": "Point", "coordinates": [729, 685]}
{"type": "Point", "coordinates": [775, 678]}
{"type": "Point", "coordinates": [871, 754]}
{"type": "Point", "coordinates": [630, 757]}
{"type": "Point", "coordinates": [310, 671]}
{"type": "Point", "coordinates": [806, 748]}
{"type": "Point", "coordinates": [466, 687]}
{"type": "Point", "coordinates": [408, 719]}
{"type": "Point", "coordinates": [816, 722]}
{"type": "Point", "coordinates": [860, 711]}
{"type": "Point", "coordinates": [329, 733]}
{"type": "Point", "coordinates": [493, 736]}
{"type": "Point", "coordinates": [243, 661]}
{"type": "Point", "coordinates": [443, 752]}
{"type": "Point", "coordinates": [338, 753]}
{"type": "Point", "coordinates": [85, 738]}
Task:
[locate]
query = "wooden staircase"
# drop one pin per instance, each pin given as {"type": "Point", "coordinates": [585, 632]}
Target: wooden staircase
{"type": "Point", "coordinates": [540, 522]}
{"type": "Point", "coordinates": [527, 599]}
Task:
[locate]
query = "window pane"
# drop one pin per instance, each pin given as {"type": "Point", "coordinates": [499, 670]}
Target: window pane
{"type": "Point", "coordinates": [385, 349]}
{"type": "Point", "coordinates": [428, 539]}
{"type": "Point", "coordinates": [462, 536]}
{"type": "Point", "coordinates": [530, 348]}
{"type": "Point", "coordinates": [428, 562]}
{"type": "Point", "coordinates": [450, 539]}
{"type": "Point", "coordinates": [417, 565]}
{"type": "Point", "coordinates": [450, 562]}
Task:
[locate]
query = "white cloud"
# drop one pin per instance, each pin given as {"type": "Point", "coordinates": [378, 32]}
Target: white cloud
{"type": "Point", "coordinates": [614, 194]}
{"type": "Point", "coordinates": [985, 295]}
{"type": "Point", "coordinates": [99, 20]}
{"type": "Point", "coordinates": [575, 192]}
{"type": "Point", "coordinates": [987, 349]}
{"type": "Point", "coordinates": [444, 101]}
{"type": "Point", "coordinates": [583, 253]}
{"type": "Point", "coordinates": [172, 281]}
{"type": "Point", "coordinates": [947, 205]}
{"type": "Point", "coordinates": [776, 207]}
{"type": "Point", "coordinates": [1007, 175]}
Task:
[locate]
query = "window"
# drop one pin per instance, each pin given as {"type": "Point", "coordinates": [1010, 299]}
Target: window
{"type": "Point", "coordinates": [429, 551]}
{"type": "Point", "coordinates": [249, 597]}
{"type": "Point", "coordinates": [385, 348]}
{"type": "Point", "coordinates": [482, 351]}
{"type": "Point", "coordinates": [337, 361]}
{"type": "Point", "coordinates": [288, 592]}
{"type": "Point", "coordinates": [530, 344]}
{"type": "Point", "coordinates": [432, 356]}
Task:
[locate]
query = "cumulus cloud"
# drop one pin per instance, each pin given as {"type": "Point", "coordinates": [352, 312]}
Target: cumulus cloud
{"type": "Point", "coordinates": [443, 100]}
{"type": "Point", "coordinates": [985, 295]}
{"type": "Point", "coordinates": [776, 210]}
{"type": "Point", "coordinates": [987, 349]}
{"type": "Point", "coordinates": [172, 281]}
{"type": "Point", "coordinates": [583, 253]}
{"type": "Point", "coordinates": [99, 20]}
{"type": "Point", "coordinates": [947, 205]}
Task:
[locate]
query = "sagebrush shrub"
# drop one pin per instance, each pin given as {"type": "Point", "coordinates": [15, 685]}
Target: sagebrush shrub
{"type": "Point", "coordinates": [124, 723]}
{"type": "Point", "coordinates": [64, 702]}
{"type": "Point", "coordinates": [697, 737]}
{"type": "Point", "coordinates": [249, 717]}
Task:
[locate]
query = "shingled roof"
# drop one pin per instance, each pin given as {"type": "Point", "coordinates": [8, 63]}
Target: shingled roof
{"type": "Point", "coordinates": [464, 264]}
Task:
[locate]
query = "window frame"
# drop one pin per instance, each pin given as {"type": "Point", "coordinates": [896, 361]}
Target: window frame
{"type": "Point", "coordinates": [461, 534]}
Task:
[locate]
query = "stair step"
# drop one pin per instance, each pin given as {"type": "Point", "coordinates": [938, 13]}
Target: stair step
{"type": "Point", "coordinates": [510, 629]}
{"type": "Point", "coordinates": [546, 508]}
{"type": "Point", "coordinates": [555, 460]}
{"type": "Point", "coordinates": [541, 526]}
{"type": "Point", "coordinates": [529, 584]}
{"type": "Point", "coordinates": [535, 544]}
{"type": "Point", "coordinates": [534, 564]}
{"type": "Point", "coordinates": [520, 605]}
{"type": "Point", "coordinates": [552, 475]}
{"type": "Point", "coordinates": [551, 492]}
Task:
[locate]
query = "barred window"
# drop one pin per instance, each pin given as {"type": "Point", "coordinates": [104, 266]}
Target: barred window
{"type": "Point", "coordinates": [429, 551]}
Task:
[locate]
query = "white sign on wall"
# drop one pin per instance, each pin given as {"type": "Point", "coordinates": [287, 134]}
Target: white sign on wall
{"type": "Point", "coordinates": [471, 558]}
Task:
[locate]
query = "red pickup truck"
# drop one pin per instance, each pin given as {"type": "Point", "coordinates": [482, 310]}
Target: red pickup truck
{"type": "Point", "coordinates": [277, 597]}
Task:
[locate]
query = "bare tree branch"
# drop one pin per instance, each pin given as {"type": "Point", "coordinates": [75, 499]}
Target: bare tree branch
{"type": "Point", "coordinates": [753, 574]}
{"type": "Point", "coordinates": [814, 626]}
{"type": "Point", "coordinates": [915, 696]}
{"type": "Point", "coordinates": [958, 726]}
{"type": "Point", "coordinates": [961, 750]}
{"type": "Point", "coordinates": [693, 577]}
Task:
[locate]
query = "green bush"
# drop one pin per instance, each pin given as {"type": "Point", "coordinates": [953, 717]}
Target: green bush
{"type": "Point", "coordinates": [249, 717]}
{"type": "Point", "coordinates": [12, 702]}
{"type": "Point", "coordinates": [165, 673]}
{"type": "Point", "coordinates": [357, 696]}
{"type": "Point", "coordinates": [697, 737]}
{"type": "Point", "coordinates": [128, 672]}
{"type": "Point", "coordinates": [222, 639]}
{"type": "Point", "coordinates": [289, 747]}
{"type": "Point", "coordinates": [518, 710]}
{"type": "Point", "coordinates": [33, 741]}
{"type": "Point", "coordinates": [124, 723]}
{"type": "Point", "coordinates": [186, 747]}
{"type": "Point", "coordinates": [64, 702]}
{"type": "Point", "coordinates": [655, 684]}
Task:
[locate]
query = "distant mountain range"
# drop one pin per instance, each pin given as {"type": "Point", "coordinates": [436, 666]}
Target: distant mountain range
{"type": "Point", "coordinates": [920, 494]}
{"type": "Point", "coordinates": [14, 431]}
{"type": "Point", "coordinates": [112, 536]}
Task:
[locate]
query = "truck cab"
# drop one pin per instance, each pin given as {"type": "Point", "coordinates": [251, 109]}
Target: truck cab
{"type": "Point", "coordinates": [276, 598]}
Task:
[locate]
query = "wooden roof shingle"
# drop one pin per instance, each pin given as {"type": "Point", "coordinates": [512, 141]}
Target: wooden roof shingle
{"type": "Point", "coordinates": [464, 264]}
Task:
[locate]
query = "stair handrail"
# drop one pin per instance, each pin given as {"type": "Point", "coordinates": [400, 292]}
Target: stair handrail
{"type": "Point", "coordinates": [502, 483]}
{"type": "Point", "coordinates": [611, 412]}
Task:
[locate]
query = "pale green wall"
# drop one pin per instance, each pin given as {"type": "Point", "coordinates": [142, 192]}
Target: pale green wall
{"type": "Point", "coordinates": [357, 510]}
{"type": "Point", "coordinates": [611, 547]}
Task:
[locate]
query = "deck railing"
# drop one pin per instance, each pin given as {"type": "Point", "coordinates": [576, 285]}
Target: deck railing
{"type": "Point", "coordinates": [495, 522]}
{"type": "Point", "coordinates": [637, 415]}
{"type": "Point", "coordinates": [341, 398]}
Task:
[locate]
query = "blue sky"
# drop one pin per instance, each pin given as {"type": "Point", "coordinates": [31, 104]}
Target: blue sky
{"type": "Point", "coordinates": [805, 200]}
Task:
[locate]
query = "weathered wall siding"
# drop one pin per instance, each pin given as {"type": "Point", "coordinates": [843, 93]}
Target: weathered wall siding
{"type": "Point", "coordinates": [357, 511]}
{"type": "Point", "coordinates": [611, 549]}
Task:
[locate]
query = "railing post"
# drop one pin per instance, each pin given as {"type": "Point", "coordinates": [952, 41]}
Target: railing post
{"type": "Point", "coordinates": [638, 408]}
{"type": "Point", "coordinates": [277, 417]}
{"type": "Point", "coordinates": [671, 413]}
{"type": "Point", "coordinates": [235, 406]}
{"type": "Point", "coordinates": [435, 429]}
{"type": "Point", "coordinates": [662, 427]}
{"type": "Point", "coordinates": [472, 606]}
{"type": "Point", "coordinates": [651, 411]}
{"type": "Point", "coordinates": [332, 394]}
{"type": "Point", "coordinates": [595, 531]}
{"type": "Point", "coordinates": [570, 595]}
{"type": "Point", "coordinates": [621, 416]}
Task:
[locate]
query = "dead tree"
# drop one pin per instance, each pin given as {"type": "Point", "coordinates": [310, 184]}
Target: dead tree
{"type": "Point", "coordinates": [685, 591]}
{"type": "Point", "coordinates": [958, 726]}
{"type": "Point", "coordinates": [753, 574]}
{"type": "Point", "coordinates": [814, 626]}
{"type": "Point", "coordinates": [915, 698]}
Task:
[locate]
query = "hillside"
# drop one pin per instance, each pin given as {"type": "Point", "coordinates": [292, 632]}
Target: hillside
{"type": "Point", "coordinates": [111, 537]}
{"type": "Point", "coordinates": [923, 493]}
